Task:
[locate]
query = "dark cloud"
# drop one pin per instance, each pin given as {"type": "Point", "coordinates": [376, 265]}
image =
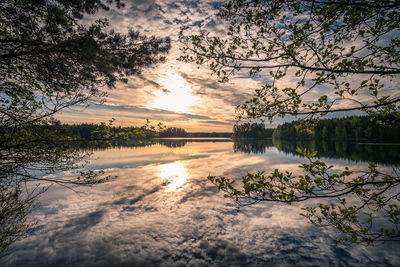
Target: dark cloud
{"type": "Point", "coordinates": [148, 82]}
{"type": "Point", "coordinates": [85, 222]}
{"type": "Point", "coordinates": [167, 22]}
{"type": "Point", "coordinates": [217, 122]}
{"type": "Point", "coordinates": [211, 24]}
{"type": "Point", "coordinates": [142, 112]}
{"type": "Point", "coordinates": [216, 5]}
{"type": "Point", "coordinates": [216, 90]}
{"type": "Point", "coordinates": [197, 23]}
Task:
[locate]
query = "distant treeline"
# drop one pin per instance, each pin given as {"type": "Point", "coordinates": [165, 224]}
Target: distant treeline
{"type": "Point", "coordinates": [252, 130]}
{"type": "Point", "coordinates": [80, 131]}
{"type": "Point", "coordinates": [172, 132]}
{"type": "Point", "coordinates": [85, 131]}
{"type": "Point", "coordinates": [349, 128]}
{"type": "Point", "coordinates": [210, 135]}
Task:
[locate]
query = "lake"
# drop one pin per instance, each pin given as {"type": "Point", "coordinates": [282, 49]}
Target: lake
{"type": "Point", "coordinates": [162, 211]}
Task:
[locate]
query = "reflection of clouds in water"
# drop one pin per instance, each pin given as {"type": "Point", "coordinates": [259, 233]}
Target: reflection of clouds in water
{"type": "Point", "coordinates": [133, 221]}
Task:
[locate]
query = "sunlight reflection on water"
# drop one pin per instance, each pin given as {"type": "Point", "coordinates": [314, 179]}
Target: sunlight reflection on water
{"type": "Point", "coordinates": [174, 174]}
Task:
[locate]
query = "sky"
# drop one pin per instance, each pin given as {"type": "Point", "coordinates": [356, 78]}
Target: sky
{"type": "Point", "coordinates": [180, 94]}
{"type": "Point", "coordinates": [175, 93]}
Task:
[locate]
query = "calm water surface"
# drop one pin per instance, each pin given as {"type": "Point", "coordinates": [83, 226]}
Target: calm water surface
{"type": "Point", "coordinates": [162, 211]}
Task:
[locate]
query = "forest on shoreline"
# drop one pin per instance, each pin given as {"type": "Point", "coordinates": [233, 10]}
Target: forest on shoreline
{"type": "Point", "coordinates": [354, 128]}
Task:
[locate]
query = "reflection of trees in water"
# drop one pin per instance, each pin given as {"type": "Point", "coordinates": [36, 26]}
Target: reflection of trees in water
{"type": "Point", "coordinates": [252, 146]}
{"type": "Point", "coordinates": [134, 143]}
{"type": "Point", "coordinates": [173, 142]}
{"type": "Point", "coordinates": [103, 145]}
{"type": "Point", "coordinates": [182, 142]}
{"type": "Point", "coordinates": [380, 153]}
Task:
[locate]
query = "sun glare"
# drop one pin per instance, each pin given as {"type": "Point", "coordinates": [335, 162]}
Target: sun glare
{"type": "Point", "coordinates": [174, 174]}
{"type": "Point", "coordinates": [177, 96]}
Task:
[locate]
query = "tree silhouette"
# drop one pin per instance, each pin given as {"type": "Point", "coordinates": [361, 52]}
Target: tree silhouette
{"type": "Point", "coordinates": [49, 61]}
{"type": "Point", "coordinates": [251, 130]}
{"type": "Point", "coordinates": [173, 132]}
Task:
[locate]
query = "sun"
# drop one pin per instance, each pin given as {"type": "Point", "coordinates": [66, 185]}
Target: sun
{"type": "Point", "coordinates": [175, 95]}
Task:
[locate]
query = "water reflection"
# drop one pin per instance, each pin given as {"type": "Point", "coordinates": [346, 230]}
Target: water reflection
{"type": "Point", "coordinates": [174, 175]}
{"type": "Point", "coordinates": [252, 146]}
{"type": "Point", "coordinates": [133, 221]}
{"type": "Point", "coordinates": [173, 142]}
{"type": "Point", "coordinates": [365, 152]}
{"type": "Point", "coordinates": [180, 142]}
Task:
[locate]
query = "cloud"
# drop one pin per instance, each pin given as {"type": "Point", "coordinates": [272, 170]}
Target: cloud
{"type": "Point", "coordinates": [127, 115]}
{"type": "Point", "coordinates": [214, 100]}
{"type": "Point", "coordinates": [137, 112]}
{"type": "Point", "coordinates": [210, 87]}
{"type": "Point", "coordinates": [217, 122]}
{"type": "Point", "coordinates": [149, 81]}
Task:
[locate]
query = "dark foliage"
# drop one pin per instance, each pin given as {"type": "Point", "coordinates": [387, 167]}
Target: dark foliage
{"type": "Point", "coordinates": [251, 130]}
{"type": "Point", "coordinates": [173, 132]}
{"type": "Point", "coordinates": [209, 135]}
{"type": "Point", "coordinates": [49, 61]}
{"type": "Point", "coordinates": [356, 128]}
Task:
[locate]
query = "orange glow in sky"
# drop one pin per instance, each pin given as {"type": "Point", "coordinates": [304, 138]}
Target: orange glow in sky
{"type": "Point", "coordinates": [175, 95]}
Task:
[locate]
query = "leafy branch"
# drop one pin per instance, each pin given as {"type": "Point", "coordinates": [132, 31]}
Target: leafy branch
{"type": "Point", "coordinates": [363, 206]}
